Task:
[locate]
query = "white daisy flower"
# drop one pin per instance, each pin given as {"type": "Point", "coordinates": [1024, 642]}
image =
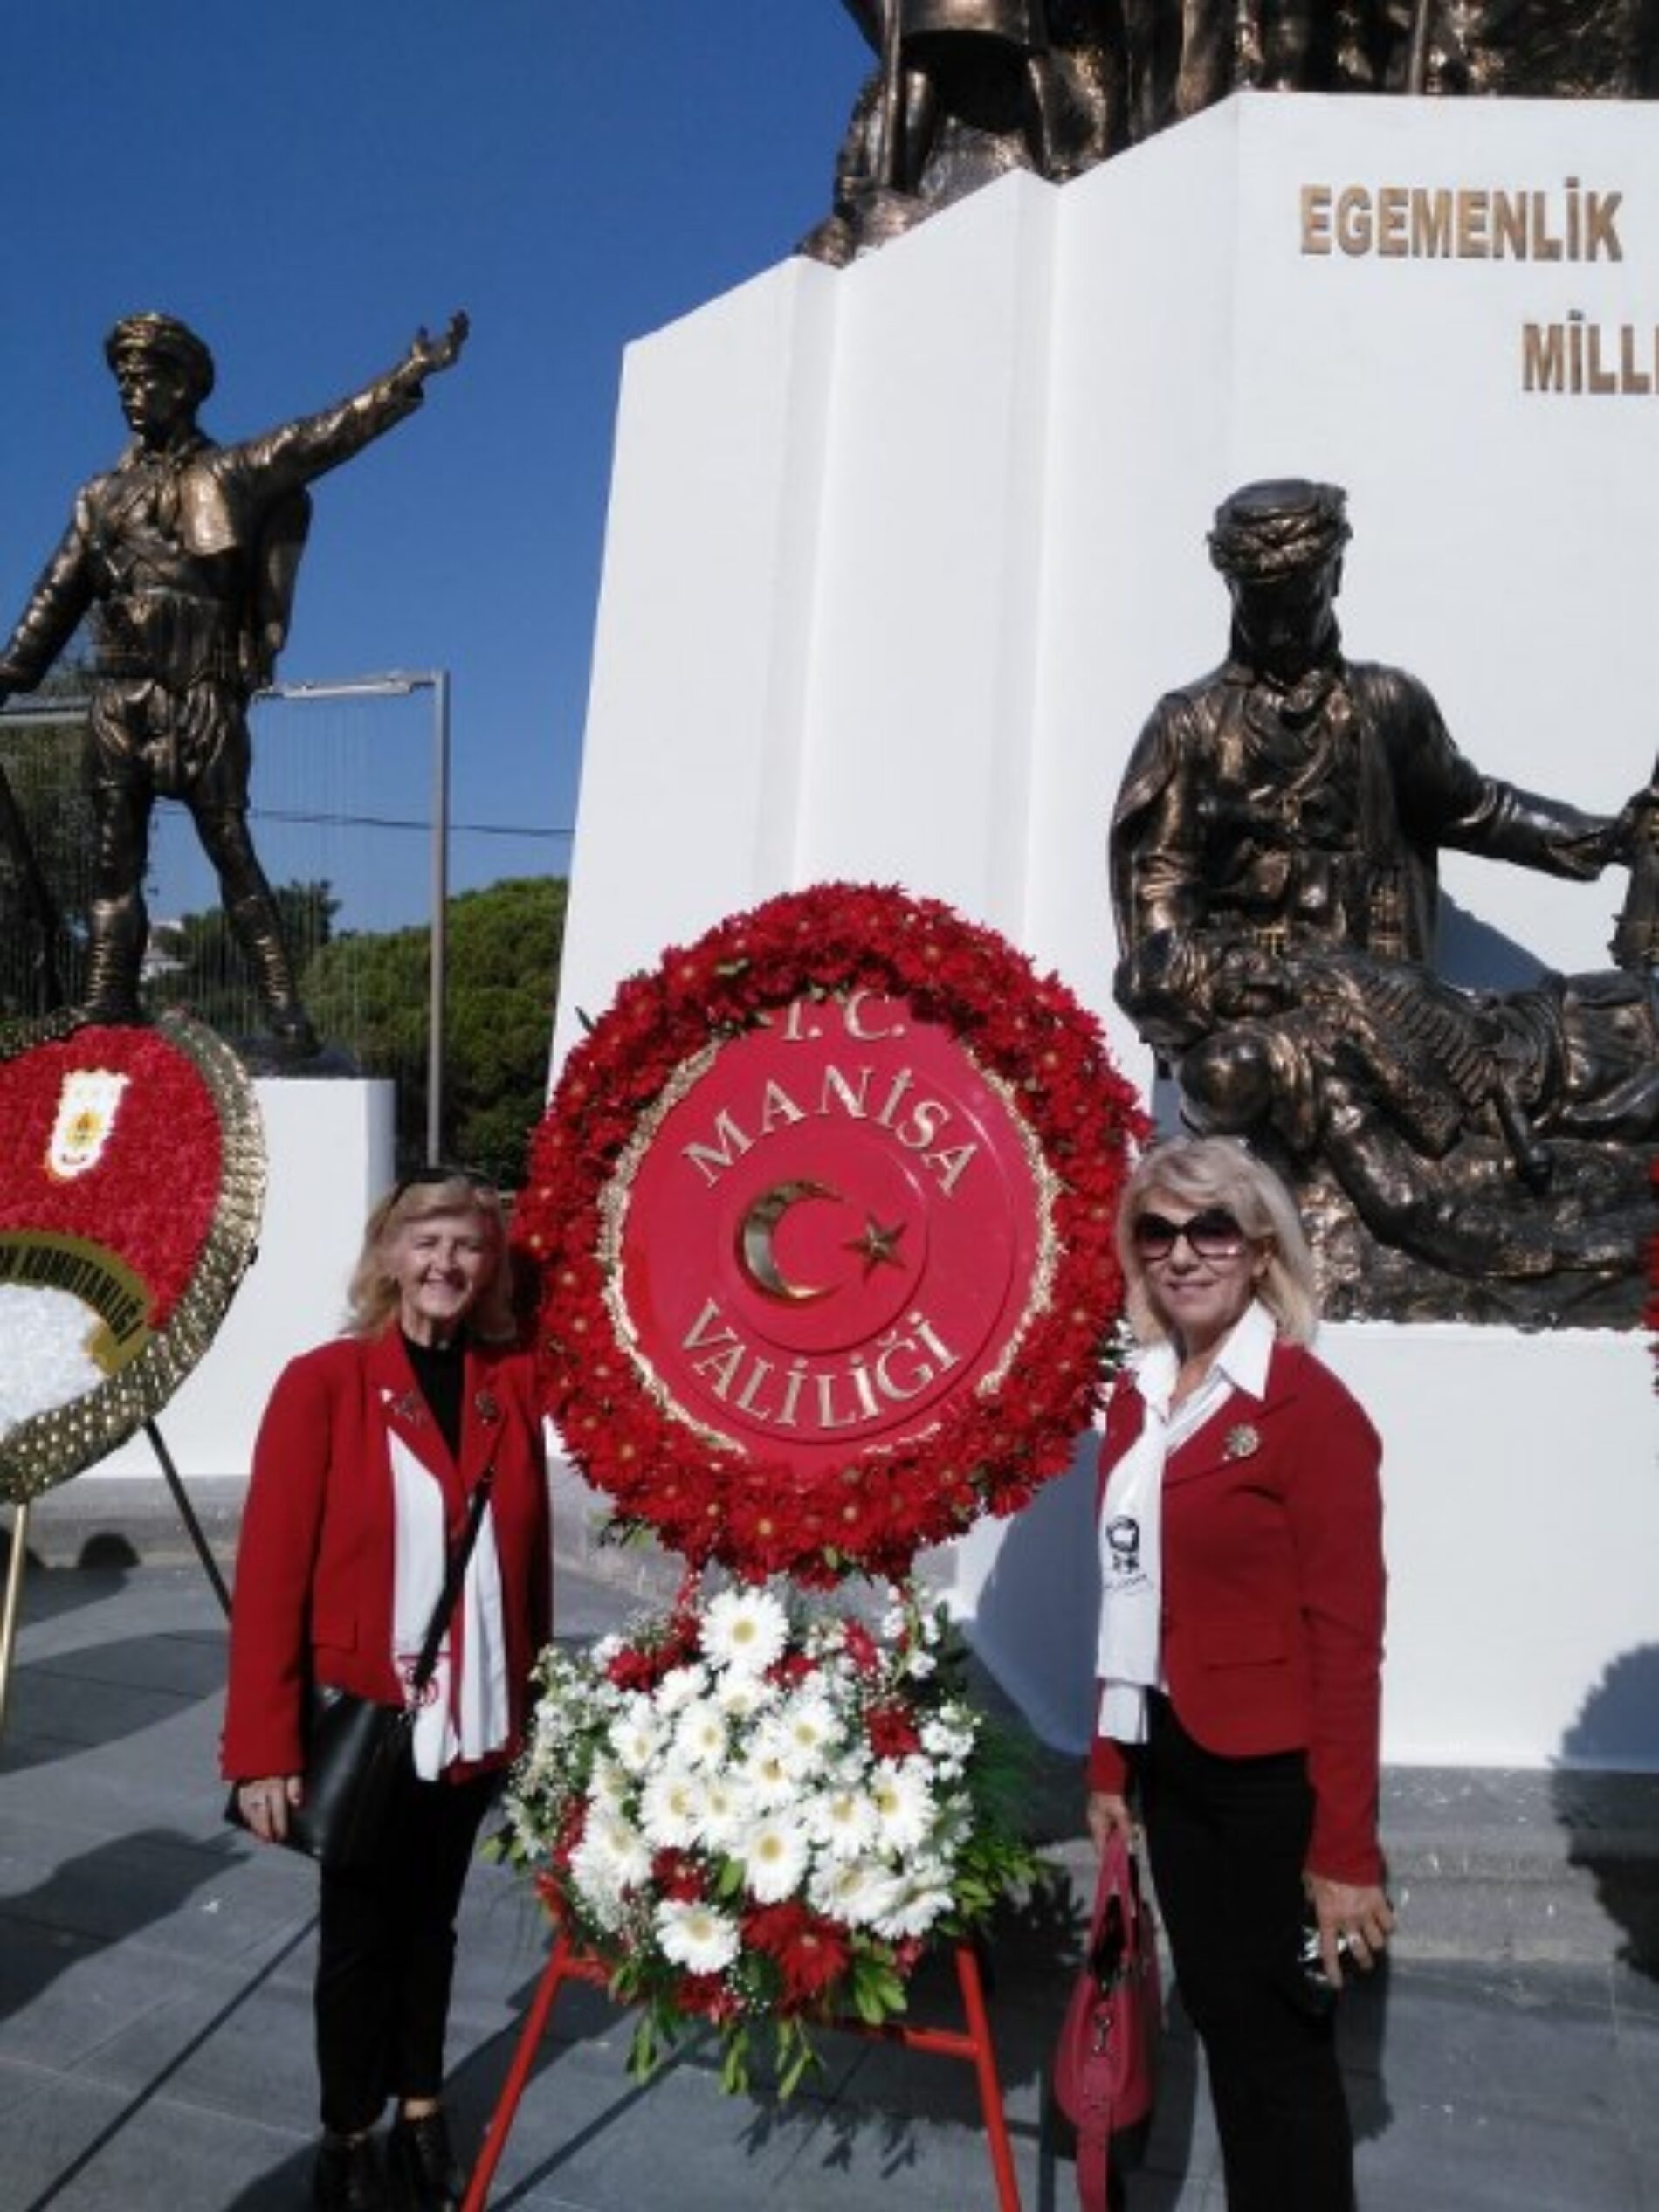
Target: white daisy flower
{"type": "Point", "coordinates": [741, 1696]}
{"type": "Point", "coordinates": [637, 1735]}
{"type": "Point", "coordinates": [855, 1892]}
{"type": "Point", "coordinates": [744, 1629]}
{"type": "Point", "coordinates": [696, 1936]}
{"type": "Point", "coordinates": [767, 1767]}
{"type": "Point", "coordinates": [843, 1821]}
{"type": "Point", "coordinates": [671, 1807]}
{"type": "Point", "coordinates": [807, 1727]}
{"type": "Point", "coordinates": [701, 1739]}
{"type": "Point", "coordinates": [774, 1852]}
{"type": "Point", "coordinates": [918, 1900]}
{"type": "Point", "coordinates": [610, 1858]}
{"type": "Point", "coordinates": [679, 1687]}
{"type": "Point", "coordinates": [728, 1811]}
{"type": "Point", "coordinates": [903, 1801]}
{"type": "Point", "coordinates": [608, 1785]}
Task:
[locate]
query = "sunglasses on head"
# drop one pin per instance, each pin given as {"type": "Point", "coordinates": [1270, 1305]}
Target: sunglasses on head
{"type": "Point", "coordinates": [1213, 1234]}
{"type": "Point", "coordinates": [435, 1177]}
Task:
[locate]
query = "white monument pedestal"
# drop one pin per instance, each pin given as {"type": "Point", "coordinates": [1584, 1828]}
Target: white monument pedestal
{"type": "Point", "coordinates": [900, 556]}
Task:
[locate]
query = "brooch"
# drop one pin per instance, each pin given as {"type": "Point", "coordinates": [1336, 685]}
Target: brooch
{"type": "Point", "coordinates": [408, 1407]}
{"type": "Point", "coordinates": [1243, 1441]}
{"type": "Point", "coordinates": [488, 1411]}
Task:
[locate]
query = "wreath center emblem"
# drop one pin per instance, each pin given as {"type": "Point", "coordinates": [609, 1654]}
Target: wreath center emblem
{"type": "Point", "coordinates": [835, 1221]}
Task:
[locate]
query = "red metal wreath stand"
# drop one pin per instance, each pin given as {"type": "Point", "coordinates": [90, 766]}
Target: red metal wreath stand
{"type": "Point", "coordinates": [972, 2044]}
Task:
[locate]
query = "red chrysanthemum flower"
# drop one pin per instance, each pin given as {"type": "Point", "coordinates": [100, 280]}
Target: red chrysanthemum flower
{"type": "Point", "coordinates": [810, 1953]}
{"type": "Point", "coordinates": [892, 1732]}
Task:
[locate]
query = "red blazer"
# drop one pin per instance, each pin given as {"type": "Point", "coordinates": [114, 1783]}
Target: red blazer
{"type": "Point", "coordinates": [314, 1567]}
{"type": "Point", "coordinates": [1273, 1593]}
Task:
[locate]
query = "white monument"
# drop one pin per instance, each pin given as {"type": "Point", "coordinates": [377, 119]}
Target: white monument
{"type": "Point", "coordinates": [900, 556]}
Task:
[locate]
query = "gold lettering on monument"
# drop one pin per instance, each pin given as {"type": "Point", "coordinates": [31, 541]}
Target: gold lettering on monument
{"type": "Point", "coordinates": [1572, 357]}
{"type": "Point", "coordinates": [921, 1129]}
{"type": "Point", "coordinates": [928, 1127]}
{"type": "Point", "coordinates": [1575, 356]}
{"type": "Point", "coordinates": [1463, 222]}
{"type": "Point", "coordinates": [821, 1395]}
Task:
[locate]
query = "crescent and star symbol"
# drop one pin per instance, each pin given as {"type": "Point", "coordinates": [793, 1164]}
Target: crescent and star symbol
{"type": "Point", "coordinates": [757, 1242]}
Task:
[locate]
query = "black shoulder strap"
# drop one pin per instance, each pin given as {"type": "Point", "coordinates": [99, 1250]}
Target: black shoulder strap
{"type": "Point", "coordinates": [456, 1569]}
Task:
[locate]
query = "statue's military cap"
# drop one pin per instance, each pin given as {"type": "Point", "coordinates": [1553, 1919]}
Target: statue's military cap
{"type": "Point", "coordinates": [1274, 529]}
{"type": "Point", "coordinates": [164, 335]}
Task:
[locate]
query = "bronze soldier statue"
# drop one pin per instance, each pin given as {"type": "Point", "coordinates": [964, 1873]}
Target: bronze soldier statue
{"type": "Point", "coordinates": [1296, 798]}
{"type": "Point", "coordinates": [1274, 866]}
{"type": "Point", "coordinates": [185, 553]}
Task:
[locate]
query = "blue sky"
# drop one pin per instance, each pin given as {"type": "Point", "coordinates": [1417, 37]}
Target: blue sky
{"type": "Point", "coordinates": [308, 181]}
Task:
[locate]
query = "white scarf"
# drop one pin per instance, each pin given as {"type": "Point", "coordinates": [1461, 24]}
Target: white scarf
{"type": "Point", "coordinates": [466, 1719]}
{"type": "Point", "coordinates": [1129, 1657]}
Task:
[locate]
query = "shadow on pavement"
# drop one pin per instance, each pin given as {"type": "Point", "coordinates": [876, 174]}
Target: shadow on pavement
{"type": "Point", "coordinates": [1610, 1812]}
{"type": "Point", "coordinates": [95, 1900]}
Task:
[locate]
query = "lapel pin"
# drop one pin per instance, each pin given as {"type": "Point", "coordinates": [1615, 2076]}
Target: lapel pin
{"type": "Point", "coordinates": [488, 1408]}
{"type": "Point", "coordinates": [1243, 1441]}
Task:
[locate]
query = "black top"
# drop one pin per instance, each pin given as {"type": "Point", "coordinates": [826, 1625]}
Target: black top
{"type": "Point", "coordinates": [440, 1369]}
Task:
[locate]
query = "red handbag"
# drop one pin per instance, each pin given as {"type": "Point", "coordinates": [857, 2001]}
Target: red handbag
{"type": "Point", "coordinates": [1105, 2061]}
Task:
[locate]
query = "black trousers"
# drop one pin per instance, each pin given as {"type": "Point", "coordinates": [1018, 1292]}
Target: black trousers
{"type": "Point", "coordinates": [1228, 1839]}
{"type": "Point", "coordinates": [386, 1955]}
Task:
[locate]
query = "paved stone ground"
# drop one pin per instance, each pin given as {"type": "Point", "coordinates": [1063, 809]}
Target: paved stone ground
{"type": "Point", "coordinates": [154, 1991]}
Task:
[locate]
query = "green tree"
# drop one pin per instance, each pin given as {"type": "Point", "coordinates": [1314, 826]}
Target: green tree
{"type": "Point", "coordinates": [45, 765]}
{"type": "Point", "coordinates": [196, 964]}
{"type": "Point", "coordinates": [371, 991]}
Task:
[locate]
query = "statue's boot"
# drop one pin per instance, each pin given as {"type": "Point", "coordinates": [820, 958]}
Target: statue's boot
{"type": "Point", "coordinates": [259, 934]}
{"type": "Point", "coordinates": [116, 931]}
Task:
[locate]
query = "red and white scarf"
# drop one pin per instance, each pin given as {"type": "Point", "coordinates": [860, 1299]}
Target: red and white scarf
{"type": "Point", "coordinates": [464, 1712]}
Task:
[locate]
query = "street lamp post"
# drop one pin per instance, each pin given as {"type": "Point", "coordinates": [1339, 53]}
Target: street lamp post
{"type": "Point", "coordinates": [401, 684]}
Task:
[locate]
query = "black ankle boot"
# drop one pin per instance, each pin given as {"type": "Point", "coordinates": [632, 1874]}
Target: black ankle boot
{"type": "Point", "coordinates": [348, 2176]}
{"type": "Point", "coordinates": [421, 2167]}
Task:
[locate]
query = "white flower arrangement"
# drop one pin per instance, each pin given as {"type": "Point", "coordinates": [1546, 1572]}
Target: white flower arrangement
{"type": "Point", "coordinates": [748, 1811]}
{"type": "Point", "coordinates": [47, 1334]}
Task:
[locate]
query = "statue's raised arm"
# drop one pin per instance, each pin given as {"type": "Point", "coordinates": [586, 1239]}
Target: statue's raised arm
{"type": "Point", "coordinates": [427, 356]}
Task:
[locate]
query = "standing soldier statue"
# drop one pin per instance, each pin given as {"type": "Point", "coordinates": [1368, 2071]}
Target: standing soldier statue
{"type": "Point", "coordinates": [186, 555]}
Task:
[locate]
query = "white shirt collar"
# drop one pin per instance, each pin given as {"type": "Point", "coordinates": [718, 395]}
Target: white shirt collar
{"type": "Point", "coordinates": [1243, 1359]}
{"type": "Point", "coordinates": [1248, 1352]}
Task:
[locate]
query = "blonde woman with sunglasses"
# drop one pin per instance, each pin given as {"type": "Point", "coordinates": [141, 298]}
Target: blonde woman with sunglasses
{"type": "Point", "coordinates": [1240, 1656]}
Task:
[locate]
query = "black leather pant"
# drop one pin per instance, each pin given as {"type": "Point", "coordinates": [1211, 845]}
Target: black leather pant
{"type": "Point", "coordinates": [386, 1955]}
{"type": "Point", "coordinates": [1228, 1840]}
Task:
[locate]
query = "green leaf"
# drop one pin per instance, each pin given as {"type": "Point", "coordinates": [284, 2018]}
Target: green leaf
{"type": "Point", "coordinates": [645, 2053]}
{"type": "Point", "coordinates": [735, 2062]}
{"type": "Point", "coordinates": [797, 2055]}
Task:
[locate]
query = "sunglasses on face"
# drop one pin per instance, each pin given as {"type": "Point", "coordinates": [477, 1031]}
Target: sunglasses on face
{"type": "Point", "coordinates": [1212, 1235]}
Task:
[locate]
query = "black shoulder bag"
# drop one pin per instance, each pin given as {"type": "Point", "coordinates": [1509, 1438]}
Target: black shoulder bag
{"type": "Point", "coordinates": [358, 1750]}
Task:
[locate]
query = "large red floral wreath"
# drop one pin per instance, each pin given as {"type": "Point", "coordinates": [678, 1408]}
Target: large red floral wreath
{"type": "Point", "coordinates": [132, 1179]}
{"type": "Point", "coordinates": [987, 1449]}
